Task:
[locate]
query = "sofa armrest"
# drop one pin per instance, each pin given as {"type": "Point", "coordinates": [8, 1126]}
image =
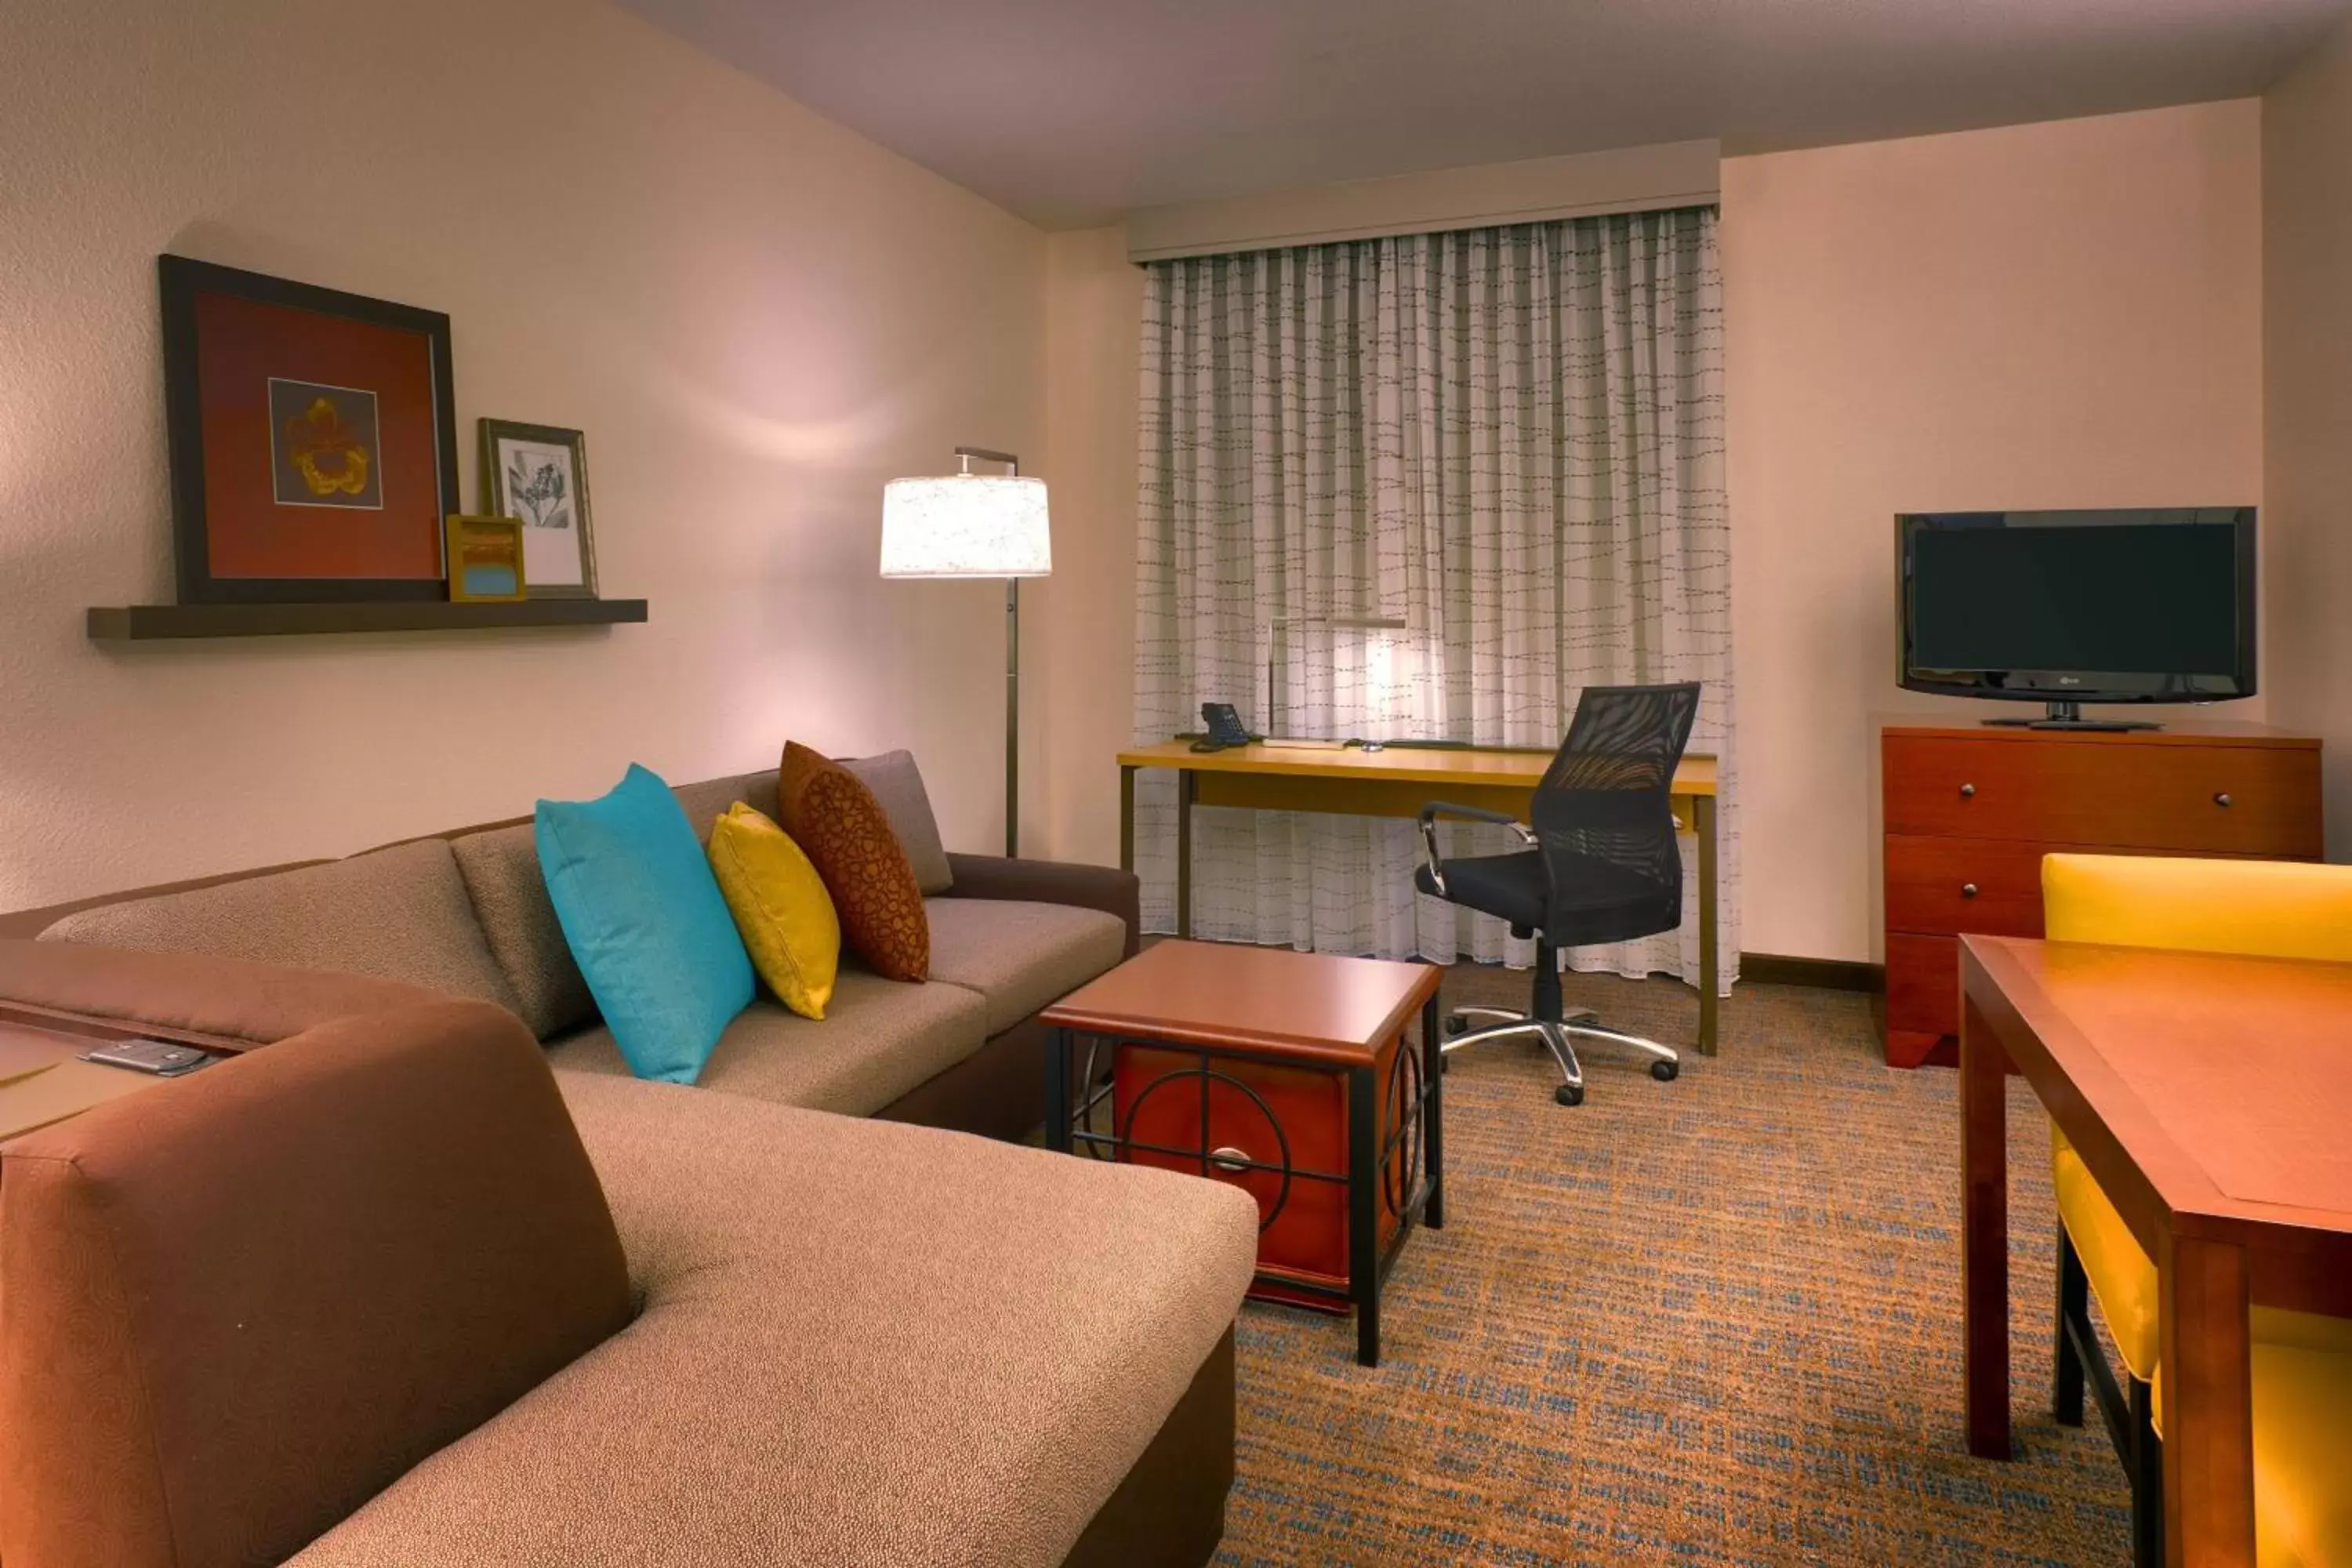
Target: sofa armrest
{"type": "Point", "coordinates": [1104, 888]}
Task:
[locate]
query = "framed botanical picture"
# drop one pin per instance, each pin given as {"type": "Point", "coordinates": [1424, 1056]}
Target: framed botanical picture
{"type": "Point", "coordinates": [538, 475]}
{"type": "Point", "coordinates": [313, 439]}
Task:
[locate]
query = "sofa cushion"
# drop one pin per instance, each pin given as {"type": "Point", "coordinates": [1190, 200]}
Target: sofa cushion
{"type": "Point", "coordinates": [1021, 956]}
{"type": "Point", "coordinates": [705, 802]}
{"type": "Point", "coordinates": [399, 913]}
{"type": "Point", "coordinates": [780, 907]}
{"type": "Point", "coordinates": [509, 892]}
{"type": "Point", "coordinates": [241, 1303]}
{"type": "Point", "coordinates": [646, 922]}
{"type": "Point", "coordinates": [898, 786]}
{"type": "Point", "coordinates": [879, 1038]}
{"type": "Point", "coordinates": [834, 818]}
{"type": "Point", "coordinates": [861, 1344]}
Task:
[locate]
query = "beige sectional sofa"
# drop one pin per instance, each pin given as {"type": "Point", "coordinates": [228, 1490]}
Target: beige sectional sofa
{"type": "Point", "coordinates": [857, 1342]}
{"type": "Point", "coordinates": [468, 913]}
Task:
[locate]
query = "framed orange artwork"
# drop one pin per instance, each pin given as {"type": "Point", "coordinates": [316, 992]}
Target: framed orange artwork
{"type": "Point", "coordinates": [313, 439]}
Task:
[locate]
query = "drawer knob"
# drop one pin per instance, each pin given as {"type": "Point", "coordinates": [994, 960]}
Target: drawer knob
{"type": "Point", "coordinates": [1967, 792]}
{"type": "Point", "coordinates": [1230, 1159]}
{"type": "Point", "coordinates": [1968, 890]}
{"type": "Point", "coordinates": [2222, 799]}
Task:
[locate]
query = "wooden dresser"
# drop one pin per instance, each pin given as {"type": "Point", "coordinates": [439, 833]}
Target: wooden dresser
{"type": "Point", "coordinates": [1970, 811]}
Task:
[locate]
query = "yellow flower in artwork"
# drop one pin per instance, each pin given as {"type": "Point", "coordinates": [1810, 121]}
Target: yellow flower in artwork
{"type": "Point", "coordinates": [326, 452]}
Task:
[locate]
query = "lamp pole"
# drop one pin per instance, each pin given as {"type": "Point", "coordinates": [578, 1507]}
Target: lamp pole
{"type": "Point", "coordinates": [964, 455]}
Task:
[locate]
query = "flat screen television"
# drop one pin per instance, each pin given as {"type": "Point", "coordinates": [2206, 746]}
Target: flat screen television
{"type": "Point", "coordinates": [2067, 607]}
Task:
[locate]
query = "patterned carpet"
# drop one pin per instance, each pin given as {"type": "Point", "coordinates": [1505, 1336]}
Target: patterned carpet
{"type": "Point", "coordinates": [1710, 1322]}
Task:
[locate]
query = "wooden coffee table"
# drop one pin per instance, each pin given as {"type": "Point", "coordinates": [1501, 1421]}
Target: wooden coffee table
{"type": "Point", "coordinates": [1286, 1074]}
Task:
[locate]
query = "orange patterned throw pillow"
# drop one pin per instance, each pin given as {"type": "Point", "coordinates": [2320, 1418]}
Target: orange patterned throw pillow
{"type": "Point", "coordinates": [839, 825]}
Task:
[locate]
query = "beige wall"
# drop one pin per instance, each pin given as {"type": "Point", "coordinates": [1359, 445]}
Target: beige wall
{"type": "Point", "coordinates": [2307, 403]}
{"type": "Point", "coordinates": [2052, 315]}
{"type": "Point", "coordinates": [756, 316]}
{"type": "Point", "coordinates": [1084, 652]}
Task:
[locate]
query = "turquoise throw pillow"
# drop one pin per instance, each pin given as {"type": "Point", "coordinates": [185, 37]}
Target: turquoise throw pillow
{"type": "Point", "coordinates": [646, 922]}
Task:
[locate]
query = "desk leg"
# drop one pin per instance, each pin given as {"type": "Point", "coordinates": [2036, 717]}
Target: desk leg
{"type": "Point", "coordinates": [1984, 1235]}
{"type": "Point", "coordinates": [1709, 1001]}
{"type": "Point", "coordinates": [2207, 1413]}
{"type": "Point", "coordinates": [1363, 1212]}
{"type": "Point", "coordinates": [1127, 819]}
{"type": "Point", "coordinates": [1184, 852]}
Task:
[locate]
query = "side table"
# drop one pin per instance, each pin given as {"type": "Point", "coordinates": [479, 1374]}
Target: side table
{"type": "Point", "coordinates": [1287, 1074]}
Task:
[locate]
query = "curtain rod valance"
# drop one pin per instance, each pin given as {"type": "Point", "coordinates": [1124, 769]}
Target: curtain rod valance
{"type": "Point", "coordinates": [1582, 184]}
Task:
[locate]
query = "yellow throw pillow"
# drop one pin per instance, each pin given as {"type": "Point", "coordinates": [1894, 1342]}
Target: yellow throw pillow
{"type": "Point", "coordinates": [781, 906]}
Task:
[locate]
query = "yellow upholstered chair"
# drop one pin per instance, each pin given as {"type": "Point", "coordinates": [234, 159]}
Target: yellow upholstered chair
{"type": "Point", "coordinates": [2302, 1364]}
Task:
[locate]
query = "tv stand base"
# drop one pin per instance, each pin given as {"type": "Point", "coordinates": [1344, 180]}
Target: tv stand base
{"type": "Point", "coordinates": [2110, 725]}
{"type": "Point", "coordinates": [2069, 716]}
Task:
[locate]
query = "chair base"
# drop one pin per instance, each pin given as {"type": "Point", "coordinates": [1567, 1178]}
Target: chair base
{"type": "Point", "coordinates": [1556, 1036]}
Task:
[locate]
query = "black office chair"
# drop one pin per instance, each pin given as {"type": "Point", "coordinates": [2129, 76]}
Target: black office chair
{"type": "Point", "coordinates": [1601, 865]}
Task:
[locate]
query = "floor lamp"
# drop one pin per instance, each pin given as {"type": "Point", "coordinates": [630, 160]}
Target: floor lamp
{"type": "Point", "coordinates": [973, 525]}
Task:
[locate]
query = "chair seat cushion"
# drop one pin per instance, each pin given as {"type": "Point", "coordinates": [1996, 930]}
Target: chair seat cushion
{"type": "Point", "coordinates": [861, 1344]}
{"type": "Point", "coordinates": [2124, 1281]}
{"type": "Point", "coordinates": [1020, 956]}
{"type": "Point", "coordinates": [879, 1040]}
{"type": "Point", "coordinates": [2302, 1455]}
{"type": "Point", "coordinates": [2120, 1274]}
{"type": "Point", "coordinates": [1599, 902]}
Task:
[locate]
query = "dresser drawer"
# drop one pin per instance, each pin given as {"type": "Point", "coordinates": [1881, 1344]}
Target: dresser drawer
{"type": "Point", "coordinates": [2237, 800]}
{"type": "Point", "coordinates": [1944, 886]}
{"type": "Point", "coordinates": [1922, 983]}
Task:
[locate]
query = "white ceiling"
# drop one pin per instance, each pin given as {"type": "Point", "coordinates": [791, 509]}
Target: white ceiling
{"type": "Point", "coordinates": [1072, 112]}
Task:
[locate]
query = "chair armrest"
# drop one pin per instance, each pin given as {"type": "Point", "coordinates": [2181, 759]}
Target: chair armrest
{"type": "Point", "coordinates": [1104, 888]}
{"type": "Point", "coordinates": [1437, 808]}
{"type": "Point", "coordinates": [1446, 808]}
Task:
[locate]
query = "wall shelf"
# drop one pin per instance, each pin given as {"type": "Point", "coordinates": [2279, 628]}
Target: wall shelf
{"type": "Point", "coordinates": [156, 622]}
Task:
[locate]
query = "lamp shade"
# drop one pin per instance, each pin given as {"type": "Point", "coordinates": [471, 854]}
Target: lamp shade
{"type": "Point", "coordinates": [966, 525]}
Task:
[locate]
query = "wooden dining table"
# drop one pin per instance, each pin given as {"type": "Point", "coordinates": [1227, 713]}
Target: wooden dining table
{"type": "Point", "coordinates": [2211, 1099]}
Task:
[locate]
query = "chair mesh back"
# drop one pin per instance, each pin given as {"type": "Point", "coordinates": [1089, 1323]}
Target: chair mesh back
{"type": "Point", "coordinates": [1606, 798]}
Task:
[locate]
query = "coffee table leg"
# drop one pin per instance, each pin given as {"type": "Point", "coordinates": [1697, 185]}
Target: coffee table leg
{"type": "Point", "coordinates": [1433, 1121]}
{"type": "Point", "coordinates": [1363, 1212]}
{"type": "Point", "coordinates": [1057, 1090]}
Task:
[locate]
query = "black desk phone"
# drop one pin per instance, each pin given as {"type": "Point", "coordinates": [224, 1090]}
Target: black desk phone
{"type": "Point", "coordinates": [1225, 728]}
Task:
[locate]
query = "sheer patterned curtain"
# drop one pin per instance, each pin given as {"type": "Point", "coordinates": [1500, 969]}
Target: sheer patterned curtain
{"type": "Point", "coordinates": [1506, 446]}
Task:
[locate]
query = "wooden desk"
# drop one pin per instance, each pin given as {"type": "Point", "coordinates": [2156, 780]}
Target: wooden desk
{"type": "Point", "coordinates": [2208, 1096]}
{"type": "Point", "coordinates": [1394, 783]}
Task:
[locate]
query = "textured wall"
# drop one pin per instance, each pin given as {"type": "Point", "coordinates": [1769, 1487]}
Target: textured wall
{"type": "Point", "coordinates": [757, 317]}
{"type": "Point", "coordinates": [2307, 408]}
{"type": "Point", "coordinates": [2057, 315]}
{"type": "Point", "coordinates": [1087, 679]}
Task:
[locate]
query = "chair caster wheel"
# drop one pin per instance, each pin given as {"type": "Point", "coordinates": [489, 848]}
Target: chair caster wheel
{"type": "Point", "coordinates": [1458, 1025]}
{"type": "Point", "coordinates": [1569, 1094]}
{"type": "Point", "coordinates": [1665, 1072]}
